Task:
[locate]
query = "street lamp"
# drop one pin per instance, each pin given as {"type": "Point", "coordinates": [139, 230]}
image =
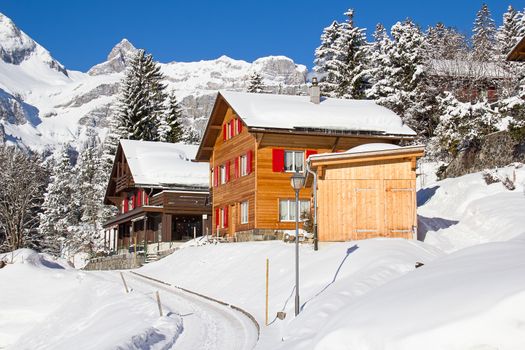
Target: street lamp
{"type": "Point", "coordinates": [297, 182]}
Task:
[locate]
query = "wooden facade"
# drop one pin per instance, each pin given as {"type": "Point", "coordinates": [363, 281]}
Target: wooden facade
{"type": "Point", "coordinates": [265, 186]}
{"type": "Point", "coordinates": [152, 213]}
{"type": "Point", "coordinates": [366, 195]}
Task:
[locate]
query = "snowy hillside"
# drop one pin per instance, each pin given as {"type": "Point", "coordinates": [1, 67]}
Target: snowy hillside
{"type": "Point", "coordinates": [42, 104]}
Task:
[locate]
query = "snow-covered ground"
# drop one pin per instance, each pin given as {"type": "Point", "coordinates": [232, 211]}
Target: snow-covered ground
{"type": "Point", "coordinates": [470, 293]}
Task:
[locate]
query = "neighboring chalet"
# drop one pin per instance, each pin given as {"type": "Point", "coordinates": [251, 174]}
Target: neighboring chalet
{"type": "Point", "coordinates": [368, 191]}
{"type": "Point", "coordinates": [470, 81]}
{"type": "Point", "coordinates": [518, 52]}
{"type": "Point", "coordinates": [161, 195]}
{"type": "Point", "coordinates": [255, 142]}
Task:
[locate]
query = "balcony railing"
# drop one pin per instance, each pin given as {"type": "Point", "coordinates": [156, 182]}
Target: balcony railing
{"type": "Point", "coordinates": [123, 183]}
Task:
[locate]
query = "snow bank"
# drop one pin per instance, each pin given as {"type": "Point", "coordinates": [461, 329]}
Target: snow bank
{"type": "Point", "coordinates": [54, 307]}
{"type": "Point", "coordinates": [330, 277]}
{"type": "Point", "coordinates": [471, 299]}
{"type": "Point", "coordinates": [464, 211]}
{"type": "Point", "coordinates": [370, 147]}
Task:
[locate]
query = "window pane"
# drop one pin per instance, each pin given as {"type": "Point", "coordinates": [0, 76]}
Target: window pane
{"type": "Point", "coordinates": [304, 209]}
{"type": "Point", "coordinates": [288, 161]}
{"type": "Point", "coordinates": [244, 169]}
{"type": "Point", "coordinates": [292, 210]}
{"type": "Point", "coordinates": [299, 161]}
{"type": "Point", "coordinates": [283, 210]}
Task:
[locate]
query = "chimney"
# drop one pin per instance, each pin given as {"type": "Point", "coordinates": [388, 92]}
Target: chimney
{"type": "Point", "coordinates": [315, 92]}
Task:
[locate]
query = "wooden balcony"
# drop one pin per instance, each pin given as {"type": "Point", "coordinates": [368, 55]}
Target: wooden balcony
{"type": "Point", "coordinates": [123, 183]}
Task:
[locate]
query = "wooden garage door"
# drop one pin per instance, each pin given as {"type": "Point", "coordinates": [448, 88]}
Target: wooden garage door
{"type": "Point", "coordinates": [399, 208]}
{"type": "Point", "coordinates": [367, 209]}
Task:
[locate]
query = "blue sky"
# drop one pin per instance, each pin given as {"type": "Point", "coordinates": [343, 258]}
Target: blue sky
{"type": "Point", "coordinates": [80, 33]}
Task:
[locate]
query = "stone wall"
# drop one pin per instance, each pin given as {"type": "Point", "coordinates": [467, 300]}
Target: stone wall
{"type": "Point", "coordinates": [116, 262]}
{"type": "Point", "coordinates": [496, 150]}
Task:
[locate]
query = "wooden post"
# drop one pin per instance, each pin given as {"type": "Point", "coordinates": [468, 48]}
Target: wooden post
{"type": "Point", "coordinates": [135, 257]}
{"type": "Point", "coordinates": [267, 279]}
{"type": "Point", "coordinates": [124, 281]}
{"type": "Point", "coordinates": [194, 233]}
{"type": "Point", "coordinates": [158, 302]}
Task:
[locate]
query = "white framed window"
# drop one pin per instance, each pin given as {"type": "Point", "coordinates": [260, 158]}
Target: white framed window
{"type": "Point", "coordinates": [244, 212]}
{"type": "Point", "coordinates": [294, 161]}
{"type": "Point", "coordinates": [287, 209]}
{"type": "Point", "coordinates": [222, 171]}
{"type": "Point", "coordinates": [243, 164]}
{"type": "Point", "coordinates": [222, 212]}
{"type": "Point", "coordinates": [229, 131]}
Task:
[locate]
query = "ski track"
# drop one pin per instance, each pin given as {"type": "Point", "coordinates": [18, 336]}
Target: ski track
{"type": "Point", "coordinates": [206, 325]}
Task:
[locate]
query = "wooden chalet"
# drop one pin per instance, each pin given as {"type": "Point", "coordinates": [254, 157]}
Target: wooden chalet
{"type": "Point", "coordinates": [518, 52]}
{"type": "Point", "coordinates": [161, 196]}
{"type": "Point", "coordinates": [366, 192]}
{"type": "Point", "coordinates": [470, 81]}
{"type": "Point", "coordinates": [255, 142]}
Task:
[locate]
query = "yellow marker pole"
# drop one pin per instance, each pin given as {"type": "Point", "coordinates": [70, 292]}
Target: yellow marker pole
{"type": "Point", "coordinates": [267, 279]}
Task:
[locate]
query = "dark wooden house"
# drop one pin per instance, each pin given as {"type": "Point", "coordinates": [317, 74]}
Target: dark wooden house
{"type": "Point", "coordinates": [162, 196]}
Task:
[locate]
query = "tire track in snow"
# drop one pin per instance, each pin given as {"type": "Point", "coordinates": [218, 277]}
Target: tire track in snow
{"type": "Point", "coordinates": [207, 323]}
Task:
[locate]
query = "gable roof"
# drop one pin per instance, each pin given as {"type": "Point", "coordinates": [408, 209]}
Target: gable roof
{"type": "Point", "coordinates": [296, 114]}
{"type": "Point", "coordinates": [518, 51]}
{"type": "Point", "coordinates": [165, 165]}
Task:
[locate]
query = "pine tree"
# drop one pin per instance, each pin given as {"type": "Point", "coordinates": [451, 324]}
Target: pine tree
{"type": "Point", "coordinates": [87, 198]}
{"type": "Point", "coordinates": [379, 70]}
{"type": "Point", "coordinates": [484, 37]}
{"type": "Point", "coordinates": [349, 63]}
{"type": "Point", "coordinates": [510, 32]}
{"type": "Point", "coordinates": [444, 43]}
{"type": "Point", "coordinates": [141, 100]}
{"type": "Point", "coordinates": [58, 210]}
{"type": "Point", "coordinates": [170, 129]}
{"type": "Point", "coordinates": [325, 55]}
{"type": "Point", "coordinates": [255, 84]}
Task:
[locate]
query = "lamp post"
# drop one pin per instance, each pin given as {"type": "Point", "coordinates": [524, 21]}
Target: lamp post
{"type": "Point", "coordinates": [297, 182]}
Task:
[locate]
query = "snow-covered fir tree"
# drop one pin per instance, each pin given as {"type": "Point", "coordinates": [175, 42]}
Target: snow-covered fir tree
{"type": "Point", "coordinates": [445, 43]}
{"type": "Point", "coordinates": [510, 32]}
{"type": "Point", "coordinates": [58, 214]}
{"type": "Point", "coordinates": [349, 61]}
{"type": "Point", "coordinates": [379, 70]}
{"type": "Point", "coordinates": [141, 100]}
{"type": "Point", "coordinates": [255, 84]}
{"type": "Point", "coordinates": [325, 55]}
{"type": "Point", "coordinates": [484, 36]}
{"type": "Point", "coordinates": [87, 198]}
{"type": "Point", "coordinates": [171, 129]}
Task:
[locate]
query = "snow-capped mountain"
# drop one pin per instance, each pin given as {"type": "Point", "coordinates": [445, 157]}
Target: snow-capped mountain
{"type": "Point", "coordinates": [42, 104]}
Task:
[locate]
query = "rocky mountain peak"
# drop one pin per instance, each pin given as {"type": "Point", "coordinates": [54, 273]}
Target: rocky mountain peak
{"type": "Point", "coordinates": [117, 60]}
{"type": "Point", "coordinates": [16, 46]}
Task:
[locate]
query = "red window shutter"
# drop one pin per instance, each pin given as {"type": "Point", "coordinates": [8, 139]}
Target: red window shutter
{"type": "Point", "coordinates": [309, 152]}
{"type": "Point", "coordinates": [239, 126]}
{"type": "Point", "coordinates": [216, 176]}
{"type": "Point", "coordinates": [228, 163]}
{"type": "Point", "coordinates": [231, 126]}
{"type": "Point", "coordinates": [139, 198]}
{"type": "Point", "coordinates": [237, 174]}
{"type": "Point", "coordinates": [225, 217]}
{"type": "Point", "coordinates": [224, 132]}
{"type": "Point", "coordinates": [217, 218]}
{"type": "Point", "coordinates": [249, 161]}
{"type": "Point", "coordinates": [146, 198]}
{"type": "Point", "coordinates": [133, 202]}
{"type": "Point", "coordinates": [278, 160]}
{"type": "Point", "coordinates": [126, 205]}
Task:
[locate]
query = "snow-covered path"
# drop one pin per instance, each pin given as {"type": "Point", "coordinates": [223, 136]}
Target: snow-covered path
{"type": "Point", "coordinates": [206, 325]}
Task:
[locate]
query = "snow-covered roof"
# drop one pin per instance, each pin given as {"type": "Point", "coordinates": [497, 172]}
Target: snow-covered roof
{"type": "Point", "coordinates": [297, 112]}
{"type": "Point", "coordinates": [468, 69]}
{"type": "Point", "coordinates": [164, 164]}
{"type": "Point", "coordinates": [370, 147]}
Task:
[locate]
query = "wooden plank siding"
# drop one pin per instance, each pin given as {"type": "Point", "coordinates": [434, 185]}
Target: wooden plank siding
{"type": "Point", "coordinates": [236, 190]}
{"type": "Point", "coordinates": [367, 199]}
